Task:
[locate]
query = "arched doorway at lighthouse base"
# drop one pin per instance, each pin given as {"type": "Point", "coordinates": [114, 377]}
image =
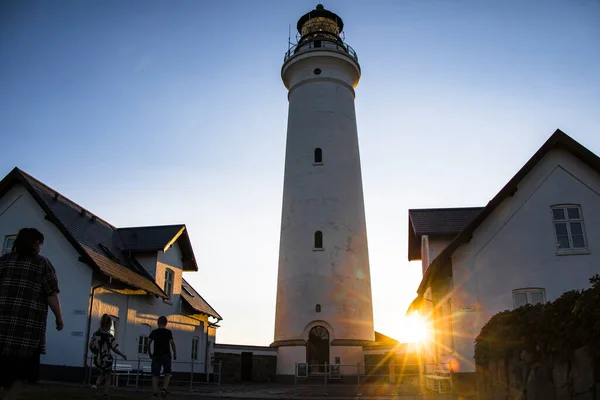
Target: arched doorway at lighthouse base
{"type": "Point", "coordinates": [317, 349]}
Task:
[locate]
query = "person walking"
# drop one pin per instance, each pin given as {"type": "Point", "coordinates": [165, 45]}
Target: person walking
{"type": "Point", "coordinates": [102, 345]}
{"type": "Point", "coordinates": [161, 356]}
{"type": "Point", "coordinates": [28, 285]}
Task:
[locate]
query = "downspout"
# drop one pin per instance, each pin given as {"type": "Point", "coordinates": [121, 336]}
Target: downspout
{"type": "Point", "coordinates": [206, 351]}
{"type": "Point", "coordinates": [89, 324]}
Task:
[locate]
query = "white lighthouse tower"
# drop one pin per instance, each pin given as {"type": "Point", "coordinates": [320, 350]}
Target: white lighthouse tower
{"type": "Point", "coordinates": [324, 309]}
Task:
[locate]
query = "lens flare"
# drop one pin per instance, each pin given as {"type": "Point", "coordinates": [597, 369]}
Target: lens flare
{"type": "Point", "coordinates": [414, 329]}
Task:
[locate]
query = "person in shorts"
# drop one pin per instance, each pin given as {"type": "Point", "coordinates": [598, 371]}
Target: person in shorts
{"type": "Point", "coordinates": [161, 354]}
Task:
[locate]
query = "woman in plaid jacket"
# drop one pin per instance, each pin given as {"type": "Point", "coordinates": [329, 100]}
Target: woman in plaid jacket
{"type": "Point", "coordinates": [28, 285]}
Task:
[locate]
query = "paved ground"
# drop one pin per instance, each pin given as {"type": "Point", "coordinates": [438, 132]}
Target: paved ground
{"type": "Point", "coordinates": [54, 391]}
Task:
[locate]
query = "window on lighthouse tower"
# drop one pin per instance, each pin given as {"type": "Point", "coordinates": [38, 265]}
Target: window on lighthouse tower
{"type": "Point", "coordinates": [318, 156]}
{"type": "Point", "coordinates": [318, 245]}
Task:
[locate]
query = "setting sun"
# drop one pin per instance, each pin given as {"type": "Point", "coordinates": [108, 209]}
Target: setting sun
{"type": "Point", "coordinates": [413, 329]}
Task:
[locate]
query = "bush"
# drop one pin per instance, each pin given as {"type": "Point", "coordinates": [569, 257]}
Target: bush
{"type": "Point", "coordinates": [556, 328]}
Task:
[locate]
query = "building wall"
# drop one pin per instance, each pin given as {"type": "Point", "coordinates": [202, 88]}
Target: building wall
{"type": "Point", "coordinates": [287, 357]}
{"type": "Point", "coordinates": [19, 210]}
{"type": "Point", "coordinates": [138, 314]}
{"type": "Point", "coordinates": [516, 248]}
{"type": "Point", "coordinates": [148, 261]}
{"type": "Point", "coordinates": [431, 247]}
{"type": "Point", "coordinates": [349, 356]}
{"type": "Point", "coordinates": [326, 198]}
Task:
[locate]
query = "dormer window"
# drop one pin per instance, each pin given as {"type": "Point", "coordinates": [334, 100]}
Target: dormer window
{"type": "Point", "coordinates": [169, 278]}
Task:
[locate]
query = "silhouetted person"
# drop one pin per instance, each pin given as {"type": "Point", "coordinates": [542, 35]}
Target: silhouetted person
{"type": "Point", "coordinates": [28, 285]}
{"type": "Point", "coordinates": [161, 356]}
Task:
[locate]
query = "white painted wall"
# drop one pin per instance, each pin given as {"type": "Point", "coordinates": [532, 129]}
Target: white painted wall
{"type": "Point", "coordinates": [515, 247]}
{"type": "Point", "coordinates": [349, 356]}
{"type": "Point", "coordinates": [19, 210]}
{"type": "Point", "coordinates": [135, 312]}
{"type": "Point", "coordinates": [148, 261]}
{"type": "Point", "coordinates": [431, 247]}
{"type": "Point", "coordinates": [326, 197]}
{"type": "Point", "coordinates": [287, 357]}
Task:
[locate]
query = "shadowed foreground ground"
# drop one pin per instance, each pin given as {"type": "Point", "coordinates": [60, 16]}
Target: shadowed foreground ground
{"type": "Point", "coordinates": [52, 391]}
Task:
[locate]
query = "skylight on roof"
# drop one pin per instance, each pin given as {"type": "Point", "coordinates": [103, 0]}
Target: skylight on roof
{"type": "Point", "coordinates": [187, 291]}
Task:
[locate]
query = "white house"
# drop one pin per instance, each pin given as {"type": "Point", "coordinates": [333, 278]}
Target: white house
{"type": "Point", "coordinates": [133, 274]}
{"type": "Point", "coordinates": [537, 238]}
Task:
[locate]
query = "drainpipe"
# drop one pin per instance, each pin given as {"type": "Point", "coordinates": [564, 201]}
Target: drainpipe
{"type": "Point", "coordinates": [206, 351]}
{"type": "Point", "coordinates": [89, 324]}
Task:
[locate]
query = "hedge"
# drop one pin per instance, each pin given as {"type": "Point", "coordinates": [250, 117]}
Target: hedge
{"type": "Point", "coordinates": [556, 328]}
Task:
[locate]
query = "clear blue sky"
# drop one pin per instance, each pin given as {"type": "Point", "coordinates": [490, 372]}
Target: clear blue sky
{"type": "Point", "coordinates": [153, 112]}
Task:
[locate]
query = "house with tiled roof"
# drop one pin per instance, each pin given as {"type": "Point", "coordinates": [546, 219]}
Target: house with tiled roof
{"type": "Point", "coordinates": [134, 274]}
{"type": "Point", "coordinates": [537, 238]}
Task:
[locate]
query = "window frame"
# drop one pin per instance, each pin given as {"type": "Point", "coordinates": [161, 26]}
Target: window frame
{"type": "Point", "coordinates": [144, 340]}
{"type": "Point", "coordinates": [5, 248]}
{"type": "Point", "coordinates": [195, 347]}
{"type": "Point", "coordinates": [528, 292]}
{"type": "Point", "coordinates": [567, 222]}
{"type": "Point", "coordinates": [171, 273]}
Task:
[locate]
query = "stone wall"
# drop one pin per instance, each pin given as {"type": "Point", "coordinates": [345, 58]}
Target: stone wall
{"type": "Point", "coordinates": [264, 367]}
{"type": "Point", "coordinates": [532, 377]}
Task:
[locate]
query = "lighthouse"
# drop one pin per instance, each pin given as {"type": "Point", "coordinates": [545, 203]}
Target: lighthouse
{"type": "Point", "coordinates": [324, 310]}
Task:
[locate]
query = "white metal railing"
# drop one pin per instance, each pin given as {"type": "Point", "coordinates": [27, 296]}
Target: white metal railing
{"type": "Point", "coordinates": [404, 379]}
{"type": "Point", "coordinates": [137, 373]}
{"type": "Point", "coordinates": [330, 45]}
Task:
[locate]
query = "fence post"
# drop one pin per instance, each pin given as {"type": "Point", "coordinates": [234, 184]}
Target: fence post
{"type": "Point", "coordinates": [192, 377]}
{"type": "Point", "coordinates": [90, 372]}
{"type": "Point", "coordinates": [296, 379]}
{"type": "Point", "coordinates": [357, 378]}
{"type": "Point", "coordinates": [219, 381]}
{"type": "Point", "coordinates": [326, 373]}
{"type": "Point", "coordinates": [137, 374]}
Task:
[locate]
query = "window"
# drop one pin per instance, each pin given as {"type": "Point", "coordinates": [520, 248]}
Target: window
{"type": "Point", "coordinates": [143, 344]}
{"type": "Point", "coordinates": [522, 297]}
{"type": "Point", "coordinates": [169, 282]}
{"type": "Point", "coordinates": [144, 339]}
{"type": "Point", "coordinates": [8, 243]}
{"type": "Point", "coordinates": [318, 240]}
{"type": "Point", "coordinates": [318, 156]}
{"type": "Point", "coordinates": [569, 229]}
{"type": "Point", "coordinates": [195, 342]}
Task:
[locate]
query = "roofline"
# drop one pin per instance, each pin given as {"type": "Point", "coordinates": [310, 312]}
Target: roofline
{"type": "Point", "coordinates": [558, 138]}
{"type": "Point", "coordinates": [443, 209]}
{"type": "Point", "coordinates": [412, 233]}
{"type": "Point", "coordinates": [207, 303]}
{"type": "Point", "coordinates": [243, 346]}
{"type": "Point", "coordinates": [188, 243]}
{"type": "Point", "coordinates": [19, 176]}
{"type": "Point", "coordinates": [150, 226]}
{"type": "Point", "coordinates": [174, 239]}
{"type": "Point", "coordinates": [64, 197]}
{"type": "Point", "coordinates": [182, 231]}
